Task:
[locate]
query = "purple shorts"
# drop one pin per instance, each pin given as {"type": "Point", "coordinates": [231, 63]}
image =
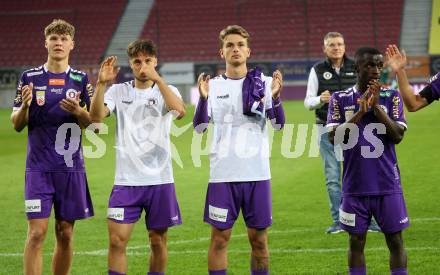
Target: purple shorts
{"type": "Point", "coordinates": [67, 191]}
{"type": "Point", "coordinates": [225, 199]}
{"type": "Point", "coordinates": [159, 202]}
{"type": "Point", "coordinates": [389, 211]}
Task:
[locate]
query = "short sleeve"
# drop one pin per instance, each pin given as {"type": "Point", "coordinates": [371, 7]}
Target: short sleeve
{"type": "Point", "coordinates": [397, 112]}
{"type": "Point", "coordinates": [110, 98]}
{"type": "Point", "coordinates": [18, 99]}
{"type": "Point", "coordinates": [334, 115]}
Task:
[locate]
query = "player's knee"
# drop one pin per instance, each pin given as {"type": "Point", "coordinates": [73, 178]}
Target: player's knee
{"type": "Point", "coordinates": [118, 242]}
{"type": "Point", "coordinates": [395, 244]}
{"type": "Point", "coordinates": [157, 242]}
{"type": "Point", "coordinates": [36, 236]}
{"type": "Point", "coordinates": [219, 242]}
{"type": "Point", "coordinates": [259, 245]}
{"type": "Point", "coordinates": [357, 243]}
{"type": "Point", "coordinates": [64, 234]}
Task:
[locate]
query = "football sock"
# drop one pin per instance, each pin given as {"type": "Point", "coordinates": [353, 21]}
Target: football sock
{"type": "Point", "coordinates": [358, 270]}
{"type": "Point", "coordinates": [399, 271]}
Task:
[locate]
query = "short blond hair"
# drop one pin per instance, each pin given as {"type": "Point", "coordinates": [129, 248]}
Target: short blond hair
{"type": "Point", "coordinates": [59, 26]}
{"type": "Point", "coordinates": [332, 35]}
{"type": "Point", "coordinates": [233, 29]}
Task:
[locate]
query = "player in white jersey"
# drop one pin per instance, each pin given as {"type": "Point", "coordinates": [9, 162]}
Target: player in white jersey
{"type": "Point", "coordinates": [144, 176]}
{"type": "Point", "coordinates": [238, 103]}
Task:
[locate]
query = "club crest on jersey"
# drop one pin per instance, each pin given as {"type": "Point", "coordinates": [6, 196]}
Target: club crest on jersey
{"type": "Point", "coordinates": [73, 94]}
{"type": "Point", "coordinates": [327, 75]}
{"type": "Point", "coordinates": [151, 102]}
{"type": "Point", "coordinates": [41, 97]}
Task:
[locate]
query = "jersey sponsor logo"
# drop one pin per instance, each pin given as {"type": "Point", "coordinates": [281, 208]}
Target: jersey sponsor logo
{"type": "Point", "coordinates": [396, 101]}
{"type": "Point", "coordinates": [347, 218]}
{"type": "Point", "coordinates": [385, 94]}
{"type": "Point", "coordinates": [116, 214]}
{"type": "Point", "coordinates": [32, 206]}
{"type": "Point", "coordinates": [223, 96]}
{"type": "Point", "coordinates": [41, 97]}
{"type": "Point", "coordinates": [57, 82]}
{"type": "Point", "coordinates": [336, 113]}
{"type": "Point", "coordinates": [73, 94]}
{"type": "Point", "coordinates": [218, 214]}
{"type": "Point", "coordinates": [76, 77]}
{"type": "Point", "coordinates": [327, 75]}
{"type": "Point", "coordinates": [57, 91]}
{"type": "Point", "coordinates": [89, 89]}
{"type": "Point", "coordinates": [43, 88]}
{"type": "Point", "coordinates": [34, 73]}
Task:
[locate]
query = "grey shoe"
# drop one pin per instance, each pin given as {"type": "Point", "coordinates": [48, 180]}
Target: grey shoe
{"type": "Point", "coordinates": [374, 228]}
{"type": "Point", "coordinates": [334, 229]}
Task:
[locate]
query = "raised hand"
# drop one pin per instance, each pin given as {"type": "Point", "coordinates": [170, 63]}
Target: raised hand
{"type": "Point", "coordinates": [277, 84]}
{"type": "Point", "coordinates": [26, 95]}
{"type": "Point", "coordinates": [374, 90]}
{"type": "Point", "coordinates": [394, 58]}
{"type": "Point", "coordinates": [108, 70]}
{"type": "Point", "coordinates": [203, 84]}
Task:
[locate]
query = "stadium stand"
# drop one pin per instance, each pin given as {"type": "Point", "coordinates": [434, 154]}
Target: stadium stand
{"type": "Point", "coordinates": [285, 29]}
{"type": "Point", "coordinates": [95, 21]}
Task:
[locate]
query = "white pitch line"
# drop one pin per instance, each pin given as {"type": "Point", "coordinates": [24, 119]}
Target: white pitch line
{"type": "Point", "coordinates": [131, 249]}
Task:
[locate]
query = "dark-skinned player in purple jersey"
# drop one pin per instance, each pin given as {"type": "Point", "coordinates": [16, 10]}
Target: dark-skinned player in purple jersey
{"type": "Point", "coordinates": [371, 179]}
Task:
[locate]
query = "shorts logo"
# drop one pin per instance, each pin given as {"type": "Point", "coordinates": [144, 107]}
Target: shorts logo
{"type": "Point", "coordinates": [404, 220]}
{"type": "Point", "coordinates": [347, 218]}
{"type": "Point", "coordinates": [327, 75]}
{"type": "Point", "coordinates": [41, 99]}
{"type": "Point", "coordinates": [175, 218]}
{"type": "Point", "coordinates": [56, 82]}
{"type": "Point", "coordinates": [115, 214]}
{"type": "Point", "coordinates": [218, 214]}
{"type": "Point", "coordinates": [73, 94]}
{"type": "Point", "coordinates": [32, 206]}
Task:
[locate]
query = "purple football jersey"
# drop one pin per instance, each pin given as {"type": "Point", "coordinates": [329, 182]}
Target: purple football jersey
{"type": "Point", "coordinates": [435, 86]}
{"type": "Point", "coordinates": [363, 174]}
{"type": "Point", "coordinates": [46, 116]}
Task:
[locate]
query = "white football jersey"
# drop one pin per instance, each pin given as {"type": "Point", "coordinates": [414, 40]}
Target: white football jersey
{"type": "Point", "coordinates": [240, 145]}
{"type": "Point", "coordinates": [143, 155]}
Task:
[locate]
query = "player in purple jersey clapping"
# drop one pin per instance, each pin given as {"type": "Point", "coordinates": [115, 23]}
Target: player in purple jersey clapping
{"type": "Point", "coordinates": [51, 100]}
{"type": "Point", "coordinates": [367, 122]}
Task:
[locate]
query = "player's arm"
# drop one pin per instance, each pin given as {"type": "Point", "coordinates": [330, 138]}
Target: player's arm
{"type": "Point", "coordinates": [276, 113]}
{"type": "Point", "coordinates": [336, 122]}
{"type": "Point", "coordinates": [172, 101]}
{"type": "Point", "coordinates": [20, 116]}
{"type": "Point", "coordinates": [394, 131]}
{"type": "Point", "coordinates": [107, 72]}
{"type": "Point", "coordinates": [397, 62]}
{"type": "Point", "coordinates": [201, 118]}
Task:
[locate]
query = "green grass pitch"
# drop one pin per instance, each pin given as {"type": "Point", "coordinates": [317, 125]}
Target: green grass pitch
{"type": "Point", "coordinates": [297, 240]}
